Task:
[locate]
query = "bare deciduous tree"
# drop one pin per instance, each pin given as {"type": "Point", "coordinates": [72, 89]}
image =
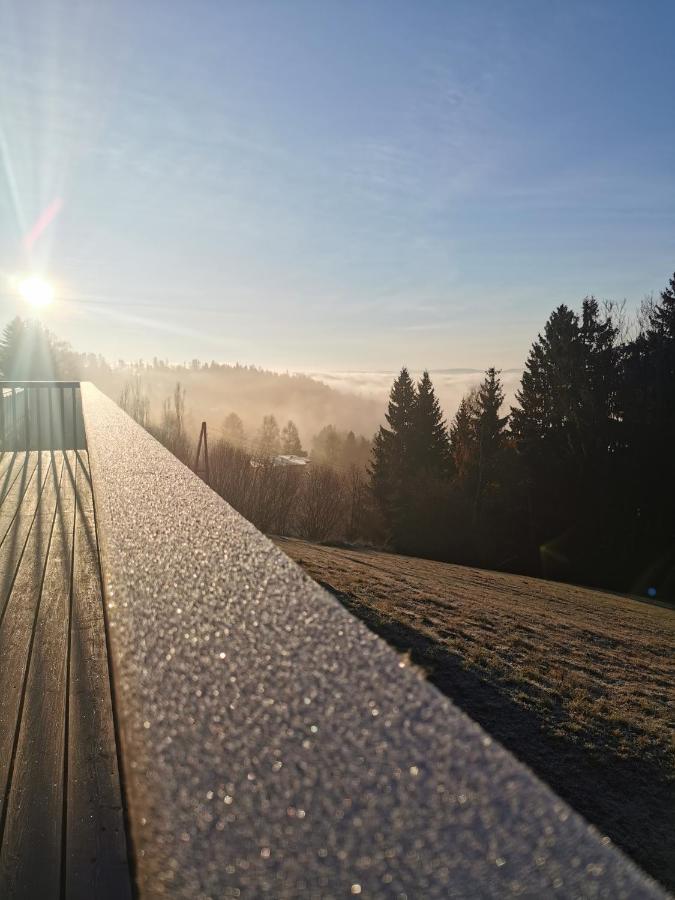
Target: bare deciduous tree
{"type": "Point", "coordinates": [321, 505]}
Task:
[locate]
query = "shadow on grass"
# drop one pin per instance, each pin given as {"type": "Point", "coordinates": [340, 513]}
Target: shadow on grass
{"type": "Point", "coordinates": [630, 800]}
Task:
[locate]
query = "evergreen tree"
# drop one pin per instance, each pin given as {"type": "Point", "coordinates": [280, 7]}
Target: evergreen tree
{"type": "Point", "coordinates": [550, 392]}
{"type": "Point", "coordinates": [401, 410]}
{"type": "Point", "coordinates": [567, 399]}
{"type": "Point", "coordinates": [565, 433]}
{"type": "Point", "coordinates": [542, 425]}
{"type": "Point", "coordinates": [29, 352]}
{"type": "Point", "coordinates": [648, 442]}
{"type": "Point", "coordinates": [392, 464]}
{"type": "Point", "coordinates": [662, 318]}
{"type": "Point", "coordinates": [490, 425]}
{"type": "Point", "coordinates": [430, 449]}
{"type": "Point", "coordinates": [490, 434]}
{"type": "Point", "coordinates": [597, 416]}
{"type": "Point", "coordinates": [290, 439]}
{"type": "Point", "coordinates": [659, 352]}
{"type": "Point", "coordinates": [464, 435]}
{"type": "Point", "coordinates": [477, 436]}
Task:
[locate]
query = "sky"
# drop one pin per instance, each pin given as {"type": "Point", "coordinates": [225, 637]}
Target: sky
{"type": "Point", "coordinates": [333, 186]}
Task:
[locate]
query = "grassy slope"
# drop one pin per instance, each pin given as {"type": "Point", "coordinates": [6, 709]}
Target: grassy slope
{"type": "Point", "coordinates": [579, 684]}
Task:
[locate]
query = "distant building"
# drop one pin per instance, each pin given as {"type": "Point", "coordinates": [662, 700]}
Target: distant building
{"type": "Point", "coordinates": [289, 459]}
{"type": "Point", "coordinates": [283, 459]}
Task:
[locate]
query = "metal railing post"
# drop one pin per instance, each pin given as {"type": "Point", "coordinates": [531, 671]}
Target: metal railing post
{"type": "Point", "coordinates": [63, 417]}
{"type": "Point", "coordinates": [51, 418]}
{"type": "Point", "coordinates": [38, 417]}
{"type": "Point", "coordinates": [26, 418]}
{"type": "Point", "coordinates": [15, 437]}
{"type": "Point", "coordinates": [74, 418]}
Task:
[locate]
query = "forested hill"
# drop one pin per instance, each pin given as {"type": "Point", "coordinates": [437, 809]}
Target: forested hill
{"type": "Point", "coordinates": [212, 390]}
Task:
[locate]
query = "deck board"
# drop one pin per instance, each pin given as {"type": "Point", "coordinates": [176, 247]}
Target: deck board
{"type": "Point", "coordinates": [35, 803]}
{"type": "Point", "coordinates": [16, 476]}
{"type": "Point", "coordinates": [7, 466]}
{"type": "Point", "coordinates": [61, 822]}
{"type": "Point", "coordinates": [96, 846]}
{"type": "Point", "coordinates": [18, 515]}
{"type": "Point", "coordinates": [16, 628]}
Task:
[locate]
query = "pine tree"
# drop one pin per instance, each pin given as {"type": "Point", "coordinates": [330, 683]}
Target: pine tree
{"type": "Point", "coordinates": [659, 371]}
{"type": "Point", "coordinates": [650, 370]}
{"type": "Point", "coordinates": [392, 465]}
{"type": "Point", "coordinates": [10, 342]}
{"type": "Point", "coordinates": [543, 426]}
{"type": "Point", "coordinates": [662, 318]}
{"type": "Point", "coordinates": [648, 445]}
{"type": "Point", "coordinates": [401, 410]}
{"type": "Point", "coordinates": [661, 343]}
{"type": "Point", "coordinates": [489, 432]}
{"type": "Point", "coordinates": [28, 351]}
{"type": "Point", "coordinates": [290, 439]}
{"type": "Point", "coordinates": [550, 391]}
{"type": "Point", "coordinates": [565, 431]}
{"type": "Point", "coordinates": [567, 399]}
{"type": "Point", "coordinates": [490, 425]}
{"type": "Point", "coordinates": [596, 418]}
{"type": "Point", "coordinates": [464, 435]}
{"type": "Point", "coordinates": [431, 449]}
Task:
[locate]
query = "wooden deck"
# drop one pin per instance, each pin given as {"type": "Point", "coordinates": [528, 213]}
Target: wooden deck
{"type": "Point", "coordinates": [61, 818]}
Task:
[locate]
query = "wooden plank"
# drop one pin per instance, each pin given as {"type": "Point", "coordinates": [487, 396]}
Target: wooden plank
{"type": "Point", "coordinates": [19, 527]}
{"type": "Point", "coordinates": [17, 628]}
{"type": "Point", "coordinates": [96, 854]}
{"type": "Point", "coordinates": [7, 459]}
{"type": "Point", "coordinates": [31, 853]}
{"type": "Point", "coordinates": [11, 469]}
{"type": "Point", "coordinates": [14, 486]}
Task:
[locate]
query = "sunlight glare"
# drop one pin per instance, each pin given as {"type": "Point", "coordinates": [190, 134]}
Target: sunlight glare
{"type": "Point", "coordinates": [36, 291]}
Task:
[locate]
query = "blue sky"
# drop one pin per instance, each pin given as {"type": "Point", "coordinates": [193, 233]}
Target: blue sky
{"type": "Point", "coordinates": [348, 185]}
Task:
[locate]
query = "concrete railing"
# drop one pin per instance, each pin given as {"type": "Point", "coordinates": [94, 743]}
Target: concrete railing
{"type": "Point", "coordinates": [272, 746]}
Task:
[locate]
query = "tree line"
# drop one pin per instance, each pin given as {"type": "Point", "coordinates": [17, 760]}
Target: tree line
{"type": "Point", "coordinates": [574, 482]}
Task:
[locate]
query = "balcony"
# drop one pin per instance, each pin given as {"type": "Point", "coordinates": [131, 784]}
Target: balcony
{"type": "Point", "coordinates": [184, 713]}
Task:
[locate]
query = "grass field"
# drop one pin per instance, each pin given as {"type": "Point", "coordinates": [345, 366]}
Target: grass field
{"type": "Point", "coordinates": [579, 684]}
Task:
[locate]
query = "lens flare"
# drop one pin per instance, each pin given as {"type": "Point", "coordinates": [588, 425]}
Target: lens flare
{"type": "Point", "coordinates": [36, 291]}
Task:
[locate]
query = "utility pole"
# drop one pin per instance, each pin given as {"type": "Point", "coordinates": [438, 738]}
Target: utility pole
{"type": "Point", "coordinates": [203, 470]}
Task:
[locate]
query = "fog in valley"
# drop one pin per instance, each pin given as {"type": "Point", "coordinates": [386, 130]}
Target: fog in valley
{"type": "Point", "coordinates": [450, 385]}
{"type": "Point", "coordinates": [350, 401]}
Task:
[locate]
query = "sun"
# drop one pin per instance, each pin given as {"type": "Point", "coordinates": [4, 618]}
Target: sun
{"type": "Point", "coordinates": [36, 291]}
